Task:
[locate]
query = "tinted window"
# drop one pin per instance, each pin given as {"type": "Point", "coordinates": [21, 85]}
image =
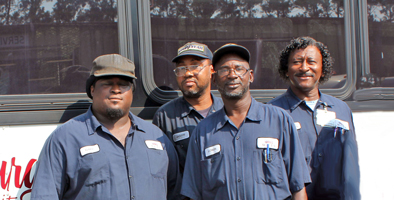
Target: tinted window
{"type": "Point", "coordinates": [264, 27]}
{"type": "Point", "coordinates": [381, 44]}
{"type": "Point", "coordinates": [48, 46]}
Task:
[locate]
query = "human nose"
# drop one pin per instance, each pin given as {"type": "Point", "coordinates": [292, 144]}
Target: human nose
{"type": "Point", "coordinates": [188, 73]}
{"type": "Point", "coordinates": [116, 89]}
{"type": "Point", "coordinates": [232, 74]}
{"type": "Point", "coordinates": [304, 66]}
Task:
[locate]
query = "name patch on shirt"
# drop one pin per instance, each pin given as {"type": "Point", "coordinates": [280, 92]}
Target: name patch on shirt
{"type": "Point", "coordinates": [262, 143]}
{"type": "Point", "coordinates": [154, 144]}
{"type": "Point", "coordinates": [297, 125]}
{"type": "Point", "coordinates": [180, 136]}
{"type": "Point", "coordinates": [338, 123]}
{"type": "Point", "coordinates": [89, 149]}
{"type": "Point", "coordinates": [212, 150]}
{"type": "Point", "coordinates": [324, 116]}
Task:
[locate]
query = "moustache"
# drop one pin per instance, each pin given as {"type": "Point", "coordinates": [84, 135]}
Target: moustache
{"type": "Point", "coordinates": [190, 79]}
{"type": "Point", "coordinates": [305, 74]}
{"type": "Point", "coordinates": [233, 82]}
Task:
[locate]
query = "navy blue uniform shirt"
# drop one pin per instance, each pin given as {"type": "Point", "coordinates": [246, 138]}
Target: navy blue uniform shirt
{"type": "Point", "coordinates": [332, 158]}
{"type": "Point", "coordinates": [178, 119]}
{"type": "Point", "coordinates": [82, 160]}
{"type": "Point", "coordinates": [224, 162]}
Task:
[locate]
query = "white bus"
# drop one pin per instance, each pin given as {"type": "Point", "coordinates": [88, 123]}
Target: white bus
{"type": "Point", "coordinates": [47, 46]}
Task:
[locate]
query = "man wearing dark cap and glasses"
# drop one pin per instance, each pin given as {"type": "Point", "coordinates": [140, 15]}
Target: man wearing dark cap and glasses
{"type": "Point", "coordinates": [247, 150]}
{"type": "Point", "coordinates": [179, 117]}
{"type": "Point", "coordinates": [107, 152]}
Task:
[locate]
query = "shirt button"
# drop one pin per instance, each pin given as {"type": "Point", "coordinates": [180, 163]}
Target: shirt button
{"type": "Point", "coordinates": [130, 176]}
{"type": "Point", "coordinates": [132, 197]}
{"type": "Point", "coordinates": [238, 158]}
{"type": "Point", "coordinates": [237, 138]}
{"type": "Point", "coordinates": [239, 180]}
{"type": "Point", "coordinates": [127, 157]}
{"type": "Point", "coordinates": [320, 155]}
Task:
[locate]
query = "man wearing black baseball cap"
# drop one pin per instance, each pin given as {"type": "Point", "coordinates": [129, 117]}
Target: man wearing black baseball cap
{"type": "Point", "coordinates": [179, 117]}
{"type": "Point", "coordinates": [247, 150]}
{"type": "Point", "coordinates": [107, 152]}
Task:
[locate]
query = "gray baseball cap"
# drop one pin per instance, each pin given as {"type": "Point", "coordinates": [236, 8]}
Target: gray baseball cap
{"type": "Point", "coordinates": [194, 49]}
{"type": "Point", "coordinates": [110, 65]}
{"type": "Point", "coordinates": [230, 48]}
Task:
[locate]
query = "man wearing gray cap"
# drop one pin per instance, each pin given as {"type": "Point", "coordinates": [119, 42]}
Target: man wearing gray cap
{"type": "Point", "coordinates": [179, 117]}
{"type": "Point", "coordinates": [247, 150]}
{"type": "Point", "coordinates": [107, 152]}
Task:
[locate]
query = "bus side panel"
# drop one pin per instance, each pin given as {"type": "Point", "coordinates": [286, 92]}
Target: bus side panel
{"type": "Point", "coordinates": [375, 136]}
{"type": "Point", "coordinates": [20, 147]}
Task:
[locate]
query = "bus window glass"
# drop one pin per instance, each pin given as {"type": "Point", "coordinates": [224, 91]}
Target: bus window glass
{"type": "Point", "coordinates": [381, 45]}
{"type": "Point", "coordinates": [48, 46]}
{"type": "Point", "coordinates": [264, 27]}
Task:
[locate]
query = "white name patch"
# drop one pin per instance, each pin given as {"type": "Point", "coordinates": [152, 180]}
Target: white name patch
{"type": "Point", "coordinates": [324, 116]}
{"type": "Point", "coordinates": [154, 144]}
{"type": "Point", "coordinates": [212, 150]}
{"type": "Point", "coordinates": [180, 136]}
{"type": "Point", "coordinates": [338, 123]}
{"type": "Point", "coordinates": [297, 125]}
{"type": "Point", "coordinates": [89, 149]}
{"type": "Point", "coordinates": [262, 143]}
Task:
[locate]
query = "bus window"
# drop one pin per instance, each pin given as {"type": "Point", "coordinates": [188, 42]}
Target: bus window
{"type": "Point", "coordinates": [264, 27]}
{"type": "Point", "coordinates": [48, 46]}
{"type": "Point", "coordinates": [381, 45]}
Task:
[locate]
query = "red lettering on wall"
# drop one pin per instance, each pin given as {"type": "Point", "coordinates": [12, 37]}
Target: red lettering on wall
{"type": "Point", "coordinates": [5, 183]}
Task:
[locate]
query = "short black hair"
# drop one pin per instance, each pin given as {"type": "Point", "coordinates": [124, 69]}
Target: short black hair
{"type": "Point", "coordinates": [302, 43]}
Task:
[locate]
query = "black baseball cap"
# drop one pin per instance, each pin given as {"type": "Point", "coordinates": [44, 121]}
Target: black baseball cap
{"type": "Point", "coordinates": [194, 49]}
{"type": "Point", "coordinates": [230, 48]}
{"type": "Point", "coordinates": [110, 65]}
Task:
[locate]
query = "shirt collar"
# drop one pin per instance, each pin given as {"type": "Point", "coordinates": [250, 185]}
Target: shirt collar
{"type": "Point", "coordinates": [254, 114]}
{"type": "Point", "coordinates": [294, 101]}
{"type": "Point", "coordinates": [93, 124]}
{"type": "Point", "coordinates": [217, 103]}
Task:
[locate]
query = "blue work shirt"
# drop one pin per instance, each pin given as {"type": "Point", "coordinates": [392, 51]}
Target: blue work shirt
{"type": "Point", "coordinates": [224, 162]}
{"type": "Point", "coordinates": [81, 159]}
{"type": "Point", "coordinates": [178, 119]}
{"type": "Point", "coordinates": [332, 158]}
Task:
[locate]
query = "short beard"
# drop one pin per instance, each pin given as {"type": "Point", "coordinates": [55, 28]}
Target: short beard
{"type": "Point", "coordinates": [195, 93]}
{"type": "Point", "coordinates": [236, 95]}
{"type": "Point", "coordinates": [114, 113]}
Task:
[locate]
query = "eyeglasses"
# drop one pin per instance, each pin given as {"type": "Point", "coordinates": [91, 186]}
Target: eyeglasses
{"type": "Point", "coordinates": [239, 71]}
{"type": "Point", "coordinates": [195, 69]}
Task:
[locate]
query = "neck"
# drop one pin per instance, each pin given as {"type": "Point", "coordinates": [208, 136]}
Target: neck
{"type": "Point", "coordinates": [306, 95]}
{"type": "Point", "coordinates": [113, 124]}
{"type": "Point", "coordinates": [202, 102]}
{"type": "Point", "coordinates": [237, 109]}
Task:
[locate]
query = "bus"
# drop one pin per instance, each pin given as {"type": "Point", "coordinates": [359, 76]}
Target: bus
{"type": "Point", "coordinates": [47, 47]}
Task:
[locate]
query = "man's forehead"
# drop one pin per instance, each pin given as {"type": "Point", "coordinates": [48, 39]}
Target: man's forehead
{"type": "Point", "coordinates": [307, 51]}
{"type": "Point", "coordinates": [233, 59]}
{"type": "Point", "coordinates": [189, 58]}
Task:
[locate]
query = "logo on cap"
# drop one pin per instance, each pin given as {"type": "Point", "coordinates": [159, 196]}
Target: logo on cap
{"type": "Point", "coordinates": [191, 47]}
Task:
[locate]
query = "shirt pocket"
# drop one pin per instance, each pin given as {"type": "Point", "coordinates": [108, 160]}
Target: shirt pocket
{"type": "Point", "coordinates": [158, 162]}
{"type": "Point", "coordinates": [213, 172]}
{"type": "Point", "coordinates": [94, 173]}
{"type": "Point", "coordinates": [267, 172]}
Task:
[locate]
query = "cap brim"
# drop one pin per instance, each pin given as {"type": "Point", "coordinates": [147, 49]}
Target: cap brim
{"type": "Point", "coordinates": [189, 54]}
{"type": "Point", "coordinates": [236, 49]}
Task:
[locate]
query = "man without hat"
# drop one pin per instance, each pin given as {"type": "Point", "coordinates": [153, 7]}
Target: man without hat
{"type": "Point", "coordinates": [107, 152]}
{"type": "Point", "coordinates": [246, 150]}
{"type": "Point", "coordinates": [179, 117]}
{"type": "Point", "coordinates": [324, 123]}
